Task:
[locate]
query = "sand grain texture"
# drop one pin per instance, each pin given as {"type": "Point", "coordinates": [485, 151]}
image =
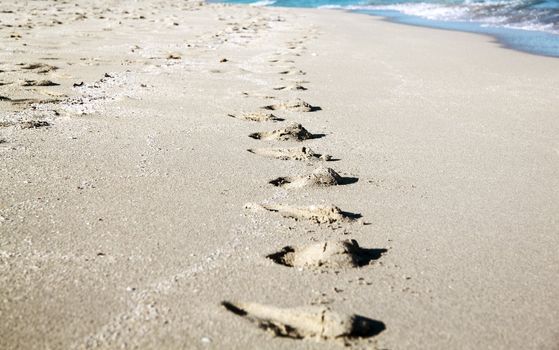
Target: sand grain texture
{"type": "Point", "coordinates": [122, 188]}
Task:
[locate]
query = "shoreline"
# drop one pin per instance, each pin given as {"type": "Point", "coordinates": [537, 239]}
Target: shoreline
{"type": "Point", "coordinates": [506, 38]}
{"type": "Point", "coordinates": [492, 38]}
{"type": "Point", "coordinates": [498, 41]}
{"type": "Point", "coordinates": [150, 211]}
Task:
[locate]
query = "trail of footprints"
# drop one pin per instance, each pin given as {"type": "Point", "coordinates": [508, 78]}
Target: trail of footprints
{"type": "Point", "coordinates": [316, 322]}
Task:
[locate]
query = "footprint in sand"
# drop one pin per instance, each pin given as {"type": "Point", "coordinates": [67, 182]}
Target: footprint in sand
{"type": "Point", "coordinates": [293, 87]}
{"type": "Point", "coordinates": [296, 105]}
{"type": "Point", "coordinates": [275, 60]}
{"type": "Point", "coordinates": [295, 153]}
{"type": "Point", "coordinates": [293, 132]}
{"type": "Point", "coordinates": [173, 56]}
{"type": "Point", "coordinates": [329, 254]}
{"type": "Point", "coordinates": [320, 177]}
{"type": "Point", "coordinates": [39, 83]}
{"type": "Point", "coordinates": [39, 67]}
{"type": "Point", "coordinates": [292, 72]}
{"type": "Point", "coordinates": [296, 81]}
{"type": "Point", "coordinates": [257, 95]}
{"type": "Point", "coordinates": [28, 101]}
{"type": "Point", "coordinates": [33, 124]}
{"type": "Point", "coordinates": [257, 117]}
{"type": "Point", "coordinates": [306, 322]}
{"type": "Point", "coordinates": [319, 214]}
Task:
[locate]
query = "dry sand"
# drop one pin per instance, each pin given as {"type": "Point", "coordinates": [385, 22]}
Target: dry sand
{"type": "Point", "coordinates": [124, 181]}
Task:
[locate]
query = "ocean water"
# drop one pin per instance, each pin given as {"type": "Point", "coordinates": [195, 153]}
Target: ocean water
{"type": "Point", "coordinates": [526, 25]}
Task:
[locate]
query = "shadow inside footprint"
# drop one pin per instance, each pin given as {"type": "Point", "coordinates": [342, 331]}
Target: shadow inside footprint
{"type": "Point", "coordinates": [234, 309]}
{"type": "Point", "coordinates": [364, 327]}
{"type": "Point", "coordinates": [366, 255]}
{"type": "Point", "coordinates": [351, 216]}
{"type": "Point", "coordinates": [280, 257]}
{"type": "Point", "coordinates": [347, 180]}
{"type": "Point", "coordinates": [280, 181]}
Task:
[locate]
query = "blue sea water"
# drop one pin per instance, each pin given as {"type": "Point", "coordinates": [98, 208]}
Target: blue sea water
{"type": "Point", "coordinates": [526, 25]}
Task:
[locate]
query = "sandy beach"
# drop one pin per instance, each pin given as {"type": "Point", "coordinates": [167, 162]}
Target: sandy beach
{"type": "Point", "coordinates": [182, 175]}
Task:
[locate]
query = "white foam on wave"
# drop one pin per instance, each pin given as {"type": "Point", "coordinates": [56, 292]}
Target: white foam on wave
{"type": "Point", "coordinates": [467, 12]}
{"type": "Point", "coordinates": [332, 7]}
{"type": "Point", "coordinates": [425, 10]}
{"type": "Point", "coordinates": [263, 3]}
{"type": "Point", "coordinates": [535, 27]}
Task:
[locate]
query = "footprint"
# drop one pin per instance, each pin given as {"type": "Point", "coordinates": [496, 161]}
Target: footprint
{"type": "Point", "coordinates": [275, 60]}
{"type": "Point", "coordinates": [257, 95]}
{"type": "Point", "coordinates": [306, 322]}
{"type": "Point", "coordinates": [174, 56]}
{"type": "Point", "coordinates": [319, 214]}
{"type": "Point", "coordinates": [296, 105]}
{"type": "Point", "coordinates": [293, 132]}
{"type": "Point", "coordinates": [39, 83]}
{"type": "Point", "coordinates": [291, 87]}
{"type": "Point", "coordinates": [257, 117]}
{"type": "Point", "coordinates": [33, 124]}
{"type": "Point", "coordinates": [292, 72]}
{"type": "Point", "coordinates": [320, 177]}
{"type": "Point", "coordinates": [296, 81]}
{"type": "Point", "coordinates": [39, 67]}
{"type": "Point", "coordinates": [295, 153]}
{"type": "Point", "coordinates": [329, 254]}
